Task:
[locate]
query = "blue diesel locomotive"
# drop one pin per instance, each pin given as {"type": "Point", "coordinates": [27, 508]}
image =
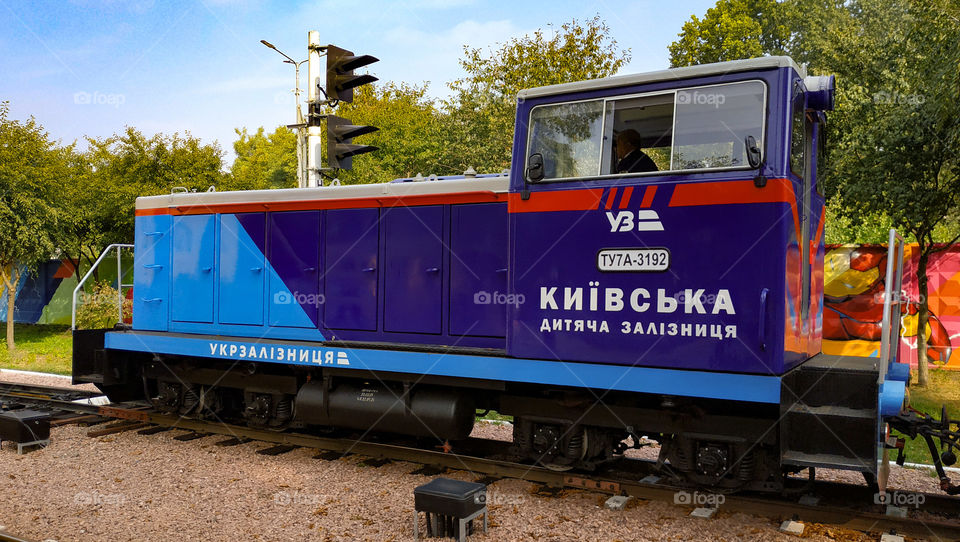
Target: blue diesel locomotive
{"type": "Point", "coordinates": [651, 265]}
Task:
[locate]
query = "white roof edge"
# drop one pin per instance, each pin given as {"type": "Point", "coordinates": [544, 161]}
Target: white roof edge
{"type": "Point", "coordinates": [489, 184]}
{"type": "Point", "coordinates": [671, 74]}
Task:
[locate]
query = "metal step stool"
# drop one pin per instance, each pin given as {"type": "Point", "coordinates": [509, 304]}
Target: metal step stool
{"type": "Point", "coordinates": [25, 428]}
{"type": "Point", "coordinates": [450, 506]}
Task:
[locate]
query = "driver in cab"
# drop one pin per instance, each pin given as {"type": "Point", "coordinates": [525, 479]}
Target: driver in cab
{"type": "Point", "coordinates": [630, 159]}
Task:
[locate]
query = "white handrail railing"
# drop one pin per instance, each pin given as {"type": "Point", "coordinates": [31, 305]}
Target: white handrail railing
{"type": "Point", "coordinates": [120, 285]}
{"type": "Point", "coordinates": [892, 302]}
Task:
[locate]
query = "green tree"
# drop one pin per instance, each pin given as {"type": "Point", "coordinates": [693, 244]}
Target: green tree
{"type": "Point", "coordinates": [482, 109]}
{"type": "Point", "coordinates": [411, 137]}
{"type": "Point", "coordinates": [738, 29]}
{"type": "Point", "coordinates": [126, 166]}
{"type": "Point", "coordinates": [731, 30]}
{"type": "Point", "coordinates": [31, 170]}
{"type": "Point", "coordinates": [900, 78]}
{"type": "Point", "coordinates": [840, 228]}
{"type": "Point", "coordinates": [263, 161]}
{"type": "Point", "coordinates": [78, 202]}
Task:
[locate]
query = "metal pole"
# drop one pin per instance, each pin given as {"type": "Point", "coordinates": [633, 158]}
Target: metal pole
{"type": "Point", "coordinates": [315, 78]}
{"type": "Point", "coordinates": [119, 289]}
{"type": "Point", "coordinates": [301, 170]}
{"type": "Point", "coordinates": [301, 159]}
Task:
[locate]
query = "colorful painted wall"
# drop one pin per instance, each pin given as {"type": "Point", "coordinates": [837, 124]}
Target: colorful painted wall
{"type": "Point", "coordinates": [853, 290]}
{"type": "Point", "coordinates": [44, 296]}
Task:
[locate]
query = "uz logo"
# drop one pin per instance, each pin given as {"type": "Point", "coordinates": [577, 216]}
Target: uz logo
{"type": "Point", "coordinates": [634, 221]}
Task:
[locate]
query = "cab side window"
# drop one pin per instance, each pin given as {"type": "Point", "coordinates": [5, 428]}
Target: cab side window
{"type": "Point", "coordinates": [798, 136]}
{"type": "Point", "coordinates": [638, 136]}
{"type": "Point", "coordinates": [568, 137]}
{"type": "Point", "coordinates": [821, 155]}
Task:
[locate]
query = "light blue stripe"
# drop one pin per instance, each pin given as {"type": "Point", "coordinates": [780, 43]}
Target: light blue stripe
{"type": "Point", "coordinates": [710, 385]}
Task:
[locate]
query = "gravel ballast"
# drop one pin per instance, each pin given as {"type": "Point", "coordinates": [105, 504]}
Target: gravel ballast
{"type": "Point", "coordinates": [41, 379]}
{"type": "Point", "coordinates": [135, 487]}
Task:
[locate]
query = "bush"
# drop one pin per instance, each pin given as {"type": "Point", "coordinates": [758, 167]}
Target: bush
{"type": "Point", "coordinates": [98, 310]}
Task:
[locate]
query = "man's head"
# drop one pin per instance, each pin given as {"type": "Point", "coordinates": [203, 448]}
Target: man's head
{"type": "Point", "coordinates": [627, 141]}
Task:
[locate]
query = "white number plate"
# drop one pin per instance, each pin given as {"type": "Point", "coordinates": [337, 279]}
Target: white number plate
{"type": "Point", "coordinates": [633, 259]}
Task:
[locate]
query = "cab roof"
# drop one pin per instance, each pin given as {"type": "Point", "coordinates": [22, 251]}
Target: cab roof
{"type": "Point", "coordinates": [672, 74]}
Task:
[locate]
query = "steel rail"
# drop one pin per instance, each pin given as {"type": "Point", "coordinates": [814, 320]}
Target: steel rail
{"type": "Point", "coordinates": [30, 391]}
{"type": "Point", "coordinates": [7, 537]}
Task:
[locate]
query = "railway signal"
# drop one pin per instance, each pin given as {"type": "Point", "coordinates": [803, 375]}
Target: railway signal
{"type": "Point", "coordinates": [340, 81]}
{"type": "Point", "coordinates": [340, 77]}
{"type": "Point", "coordinates": [340, 147]}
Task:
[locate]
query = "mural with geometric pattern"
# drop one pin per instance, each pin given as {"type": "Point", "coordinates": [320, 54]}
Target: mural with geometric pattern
{"type": "Point", "coordinates": [853, 303]}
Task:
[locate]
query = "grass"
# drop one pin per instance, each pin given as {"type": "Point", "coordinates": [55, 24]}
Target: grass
{"type": "Point", "coordinates": [943, 388]}
{"type": "Point", "coordinates": [42, 348]}
{"type": "Point", "coordinates": [494, 417]}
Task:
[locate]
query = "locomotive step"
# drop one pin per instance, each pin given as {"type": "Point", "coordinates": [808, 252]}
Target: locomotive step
{"type": "Point", "coordinates": [827, 380]}
{"type": "Point", "coordinates": [832, 411]}
{"type": "Point", "coordinates": [831, 461]}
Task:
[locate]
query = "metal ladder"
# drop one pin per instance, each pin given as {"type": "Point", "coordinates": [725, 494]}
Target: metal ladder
{"type": "Point", "coordinates": [120, 285]}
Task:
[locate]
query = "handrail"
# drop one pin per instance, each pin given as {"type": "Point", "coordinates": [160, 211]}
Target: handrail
{"type": "Point", "coordinates": [119, 247]}
{"type": "Point", "coordinates": [890, 326]}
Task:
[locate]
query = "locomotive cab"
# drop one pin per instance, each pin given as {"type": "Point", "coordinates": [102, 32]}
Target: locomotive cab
{"type": "Point", "coordinates": [709, 252]}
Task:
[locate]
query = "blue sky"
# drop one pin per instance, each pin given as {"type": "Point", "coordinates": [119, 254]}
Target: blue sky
{"type": "Point", "coordinates": [88, 67]}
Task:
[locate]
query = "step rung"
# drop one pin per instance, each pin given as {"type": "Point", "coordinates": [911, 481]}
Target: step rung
{"type": "Point", "coordinates": [92, 378]}
{"type": "Point", "coordinates": [827, 460]}
{"type": "Point", "coordinates": [831, 410]}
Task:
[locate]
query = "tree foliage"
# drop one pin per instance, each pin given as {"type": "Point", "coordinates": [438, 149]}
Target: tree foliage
{"type": "Point", "coordinates": [730, 30]}
{"type": "Point", "coordinates": [739, 29]}
{"type": "Point", "coordinates": [411, 137]}
{"type": "Point", "coordinates": [32, 167]}
{"type": "Point", "coordinates": [263, 161]}
{"type": "Point", "coordinates": [125, 166]}
{"type": "Point", "coordinates": [483, 106]}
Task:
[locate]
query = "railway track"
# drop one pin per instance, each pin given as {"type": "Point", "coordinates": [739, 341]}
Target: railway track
{"type": "Point", "coordinates": [8, 537]}
{"type": "Point", "coordinates": [10, 392]}
{"type": "Point", "coordinates": [844, 505]}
